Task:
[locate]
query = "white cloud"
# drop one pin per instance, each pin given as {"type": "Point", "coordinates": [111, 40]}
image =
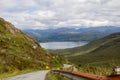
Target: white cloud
{"type": "Point", "coordinates": [42, 14]}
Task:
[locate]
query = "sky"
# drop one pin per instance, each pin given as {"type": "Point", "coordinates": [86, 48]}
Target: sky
{"type": "Point", "coordinates": [44, 14]}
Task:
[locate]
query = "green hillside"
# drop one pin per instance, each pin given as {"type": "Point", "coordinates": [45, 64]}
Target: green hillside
{"type": "Point", "coordinates": [20, 52]}
{"type": "Point", "coordinates": [102, 51]}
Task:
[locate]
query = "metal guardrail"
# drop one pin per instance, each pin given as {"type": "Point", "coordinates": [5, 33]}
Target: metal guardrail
{"type": "Point", "coordinates": [75, 75]}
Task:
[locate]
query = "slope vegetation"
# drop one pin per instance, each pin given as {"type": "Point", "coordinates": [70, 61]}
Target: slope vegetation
{"type": "Point", "coordinates": [18, 51]}
{"type": "Point", "coordinates": [102, 51]}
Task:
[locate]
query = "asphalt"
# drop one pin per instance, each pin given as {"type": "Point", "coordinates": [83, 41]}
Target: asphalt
{"type": "Point", "coordinates": [39, 75]}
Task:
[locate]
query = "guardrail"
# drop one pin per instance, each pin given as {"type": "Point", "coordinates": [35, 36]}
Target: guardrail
{"type": "Point", "coordinates": [75, 75]}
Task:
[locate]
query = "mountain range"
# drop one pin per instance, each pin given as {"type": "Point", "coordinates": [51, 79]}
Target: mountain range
{"type": "Point", "coordinates": [71, 34]}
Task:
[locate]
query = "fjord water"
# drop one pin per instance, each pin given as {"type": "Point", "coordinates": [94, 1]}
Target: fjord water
{"type": "Point", "coordinates": [62, 45]}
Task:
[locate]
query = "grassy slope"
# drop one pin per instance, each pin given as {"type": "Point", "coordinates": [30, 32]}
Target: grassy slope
{"type": "Point", "coordinates": [20, 52]}
{"type": "Point", "coordinates": [98, 52]}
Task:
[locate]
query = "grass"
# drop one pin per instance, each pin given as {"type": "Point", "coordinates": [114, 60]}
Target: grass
{"type": "Point", "coordinates": [16, 72]}
{"type": "Point", "coordinates": [91, 69]}
{"type": "Point", "coordinates": [104, 49]}
{"type": "Point", "coordinates": [21, 53]}
{"type": "Point", "coordinates": [97, 70]}
{"type": "Point", "coordinates": [97, 57]}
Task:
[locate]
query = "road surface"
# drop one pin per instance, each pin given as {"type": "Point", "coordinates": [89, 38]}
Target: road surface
{"type": "Point", "coordinates": [39, 75]}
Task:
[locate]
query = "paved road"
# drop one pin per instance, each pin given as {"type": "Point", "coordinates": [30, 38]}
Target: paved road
{"type": "Point", "coordinates": [39, 75]}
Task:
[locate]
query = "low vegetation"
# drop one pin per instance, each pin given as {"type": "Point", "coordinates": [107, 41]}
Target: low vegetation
{"type": "Point", "coordinates": [20, 53]}
{"type": "Point", "coordinates": [98, 52]}
{"type": "Point", "coordinates": [97, 70]}
{"type": "Point", "coordinates": [97, 57]}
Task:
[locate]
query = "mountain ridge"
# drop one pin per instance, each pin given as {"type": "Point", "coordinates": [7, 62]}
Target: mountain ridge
{"type": "Point", "coordinates": [98, 52]}
{"type": "Point", "coordinates": [72, 34]}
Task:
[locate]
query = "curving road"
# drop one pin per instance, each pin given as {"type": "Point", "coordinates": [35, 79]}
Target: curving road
{"type": "Point", "coordinates": [39, 75]}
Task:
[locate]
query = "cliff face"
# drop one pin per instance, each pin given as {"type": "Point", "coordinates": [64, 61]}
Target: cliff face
{"type": "Point", "coordinates": [19, 51]}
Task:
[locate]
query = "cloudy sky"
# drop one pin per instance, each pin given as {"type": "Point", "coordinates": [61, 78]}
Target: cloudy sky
{"type": "Point", "coordinates": [43, 14]}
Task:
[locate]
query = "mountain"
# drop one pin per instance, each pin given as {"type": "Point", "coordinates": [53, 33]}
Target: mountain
{"type": "Point", "coordinates": [71, 34]}
{"type": "Point", "coordinates": [19, 51]}
{"type": "Point", "coordinates": [104, 51]}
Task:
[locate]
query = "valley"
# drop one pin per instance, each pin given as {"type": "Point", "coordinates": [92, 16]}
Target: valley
{"type": "Point", "coordinates": [20, 53]}
{"type": "Point", "coordinates": [104, 51]}
{"type": "Point", "coordinates": [59, 40]}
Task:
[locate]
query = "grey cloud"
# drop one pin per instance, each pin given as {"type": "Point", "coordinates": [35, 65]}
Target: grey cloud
{"type": "Point", "coordinates": [43, 14]}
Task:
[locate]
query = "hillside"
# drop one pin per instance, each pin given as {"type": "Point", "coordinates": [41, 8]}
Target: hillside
{"type": "Point", "coordinates": [71, 34]}
{"type": "Point", "coordinates": [20, 52]}
{"type": "Point", "coordinates": [102, 51]}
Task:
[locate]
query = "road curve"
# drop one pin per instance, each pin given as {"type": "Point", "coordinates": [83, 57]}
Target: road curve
{"type": "Point", "coordinates": [39, 75]}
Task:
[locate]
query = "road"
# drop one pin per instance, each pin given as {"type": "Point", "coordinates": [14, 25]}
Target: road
{"type": "Point", "coordinates": [39, 75]}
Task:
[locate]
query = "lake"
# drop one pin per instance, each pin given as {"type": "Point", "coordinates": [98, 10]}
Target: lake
{"type": "Point", "coordinates": [62, 45]}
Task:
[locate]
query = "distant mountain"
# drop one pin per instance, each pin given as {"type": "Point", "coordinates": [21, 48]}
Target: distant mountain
{"type": "Point", "coordinates": [104, 51]}
{"type": "Point", "coordinates": [72, 34]}
{"type": "Point", "coordinates": [19, 51]}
